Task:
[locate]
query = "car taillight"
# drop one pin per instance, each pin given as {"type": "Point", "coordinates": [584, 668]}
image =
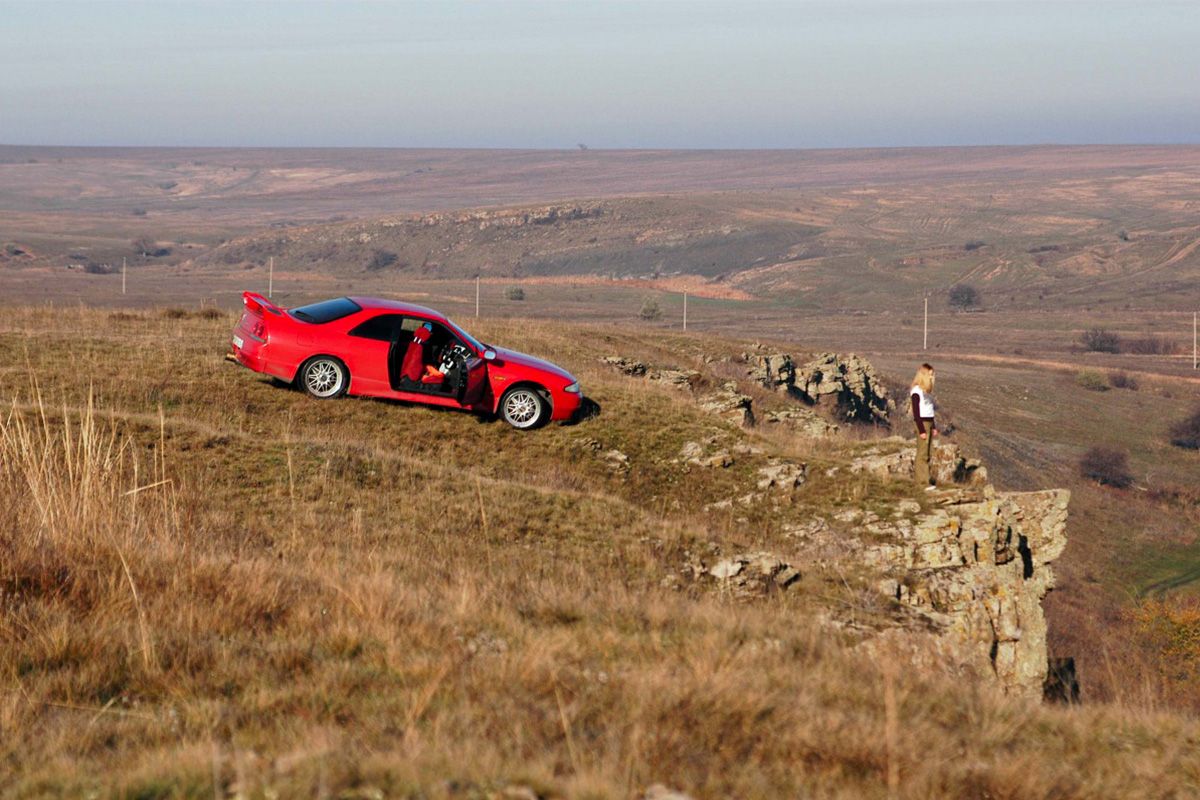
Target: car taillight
{"type": "Point", "coordinates": [259, 330]}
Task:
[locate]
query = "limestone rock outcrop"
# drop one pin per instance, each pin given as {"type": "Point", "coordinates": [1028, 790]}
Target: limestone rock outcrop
{"type": "Point", "coordinates": [847, 383]}
{"type": "Point", "coordinates": [728, 403]}
{"type": "Point", "coordinates": [744, 576]}
{"type": "Point", "coordinates": [850, 382]}
{"type": "Point", "coordinates": [949, 465]}
{"type": "Point", "coordinates": [639, 369]}
{"type": "Point", "coordinates": [969, 574]}
{"type": "Point", "coordinates": [958, 573]}
{"type": "Point", "coordinates": [801, 420]}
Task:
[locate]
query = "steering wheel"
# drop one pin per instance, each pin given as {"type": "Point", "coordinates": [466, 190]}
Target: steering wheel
{"type": "Point", "coordinates": [453, 355]}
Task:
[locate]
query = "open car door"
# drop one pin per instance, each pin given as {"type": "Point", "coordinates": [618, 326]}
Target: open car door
{"type": "Point", "coordinates": [476, 379]}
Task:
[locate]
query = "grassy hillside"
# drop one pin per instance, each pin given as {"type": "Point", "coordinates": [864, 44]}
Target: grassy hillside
{"type": "Point", "coordinates": [210, 584]}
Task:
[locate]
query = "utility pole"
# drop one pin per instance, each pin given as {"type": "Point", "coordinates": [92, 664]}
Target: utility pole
{"type": "Point", "coordinates": [123, 275]}
{"type": "Point", "coordinates": [477, 297]}
{"type": "Point", "coordinates": [685, 311]}
{"type": "Point", "coordinates": [925, 334]}
{"type": "Point", "coordinates": [270, 275]}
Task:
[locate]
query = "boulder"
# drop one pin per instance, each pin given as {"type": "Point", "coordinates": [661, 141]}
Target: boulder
{"type": "Point", "coordinates": [628, 366]}
{"type": "Point", "coordinates": [640, 369]}
{"type": "Point", "coordinates": [801, 420]}
{"type": "Point", "coordinates": [729, 403]}
{"type": "Point", "coordinates": [849, 383]}
{"type": "Point", "coordinates": [775, 371]}
{"type": "Point", "coordinates": [694, 454]}
{"type": "Point", "coordinates": [782, 475]}
{"type": "Point", "coordinates": [750, 575]}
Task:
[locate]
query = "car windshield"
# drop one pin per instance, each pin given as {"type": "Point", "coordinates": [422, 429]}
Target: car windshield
{"type": "Point", "coordinates": [326, 311]}
{"type": "Point", "coordinates": [466, 337]}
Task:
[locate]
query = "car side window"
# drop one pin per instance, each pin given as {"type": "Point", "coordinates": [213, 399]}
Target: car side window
{"type": "Point", "coordinates": [382, 327]}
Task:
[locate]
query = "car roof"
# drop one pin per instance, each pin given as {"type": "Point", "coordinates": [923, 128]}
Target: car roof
{"type": "Point", "coordinates": [380, 304]}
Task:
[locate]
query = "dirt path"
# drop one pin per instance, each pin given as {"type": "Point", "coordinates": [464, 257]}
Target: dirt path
{"type": "Point", "coordinates": [1177, 581]}
{"type": "Point", "coordinates": [1182, 253]}
{"type": "Point", "coordinates": [1175, 255]}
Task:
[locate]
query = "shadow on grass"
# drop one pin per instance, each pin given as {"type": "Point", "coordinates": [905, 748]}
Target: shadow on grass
{"type": "Point", "coordinates": [588, 408]}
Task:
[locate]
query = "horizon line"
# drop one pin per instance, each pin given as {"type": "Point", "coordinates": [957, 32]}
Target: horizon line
{"type": "Point", "coordinates": [589, 149]}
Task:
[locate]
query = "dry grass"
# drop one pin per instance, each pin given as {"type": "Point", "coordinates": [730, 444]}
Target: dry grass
{"type": "Point", "coordinates": [210, 586]}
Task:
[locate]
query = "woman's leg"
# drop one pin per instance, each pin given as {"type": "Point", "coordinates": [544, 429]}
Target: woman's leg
{"type": "Point", "coordinates": [929, 457]}
{"type": "Point", "coordinates": [921, 468]}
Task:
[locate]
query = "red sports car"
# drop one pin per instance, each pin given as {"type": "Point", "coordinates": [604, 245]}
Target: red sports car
{"type": "Point", "coordinates": [383, 348]}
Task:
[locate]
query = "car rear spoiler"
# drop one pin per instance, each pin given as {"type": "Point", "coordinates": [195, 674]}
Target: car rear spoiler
{"type": "Point", "coordinates": [256, 304]}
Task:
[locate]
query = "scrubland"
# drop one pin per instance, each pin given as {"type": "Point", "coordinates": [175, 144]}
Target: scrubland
{"type": "Point", "coordinates": [212, 586]}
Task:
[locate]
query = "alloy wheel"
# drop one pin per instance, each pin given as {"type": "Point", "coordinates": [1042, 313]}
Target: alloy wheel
{"type": "Point", "coordinates": [323, 378]}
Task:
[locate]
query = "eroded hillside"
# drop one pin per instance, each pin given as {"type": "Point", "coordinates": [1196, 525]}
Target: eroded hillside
{"type": "Point", "coordinates": [1023, 242]}
{"type": "Point", "coordinates": [211, 583]}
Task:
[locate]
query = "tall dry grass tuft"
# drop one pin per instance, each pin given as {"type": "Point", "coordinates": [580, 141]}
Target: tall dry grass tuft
{"type": "Point", "coordinates": [84, 517]}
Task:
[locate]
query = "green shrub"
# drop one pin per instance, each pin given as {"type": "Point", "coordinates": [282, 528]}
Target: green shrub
{"type": "Point", "coordinates": [1091, 380]}
{"type": "Point", "coordinates": [514, 293]}
{"type": "Point", "coordinates": [1186, 432]}
{"type": "Point", "coordinates": [381, 259]}
{"type": "Point", "coordinates": [1100, 340]}
{"type": "Point", "coordinates": [650, 309]}
{"type": "Point", "coordinates": [964, 296]}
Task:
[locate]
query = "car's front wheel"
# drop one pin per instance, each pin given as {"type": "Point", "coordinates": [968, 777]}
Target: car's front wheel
{"type": "Point", "coordinates": [324, 377]}
{"type": "Point", "coordinates": [523, 408]}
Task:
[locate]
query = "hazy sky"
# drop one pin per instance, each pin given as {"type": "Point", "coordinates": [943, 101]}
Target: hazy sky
{"type": "Point", "coordinates": [451, 73]}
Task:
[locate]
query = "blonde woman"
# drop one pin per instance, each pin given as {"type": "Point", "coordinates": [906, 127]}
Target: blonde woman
{"type": "Point", "coordinates": [923, 407]}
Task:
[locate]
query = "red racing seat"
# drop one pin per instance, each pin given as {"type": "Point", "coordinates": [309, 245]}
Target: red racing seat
{"type": "Point", "coordinates": [413, 367]}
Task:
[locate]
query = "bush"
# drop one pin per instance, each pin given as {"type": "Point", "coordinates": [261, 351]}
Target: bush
{"type": "Point", "coordinates": [1091, 380]}
{"type": "Point", "coordinates": [210, 312]}
{"type": "Point", "coordinates": [1106, 466]}
{"type": "Point", "coordinates": [974, 244]}
{"type": "Point", "coordinates": [650, 309]}
{"type": "Point", "coordinates": [1123, 380]}
{"type": "Point", "coordinates": [381, 259]}
{"type": "Point", "coordinates": [514, 293]}
{"type": "Point", "coordinates": [1186, 432]}
{"type": "Point", "coordinates": [148, 248]}
{"type": "Point", "coordinates": [964, 296]}
{"type": "Point", "coordinates": [1153, 345]}
{"type": "Point", "coordinates": [1100, 340]}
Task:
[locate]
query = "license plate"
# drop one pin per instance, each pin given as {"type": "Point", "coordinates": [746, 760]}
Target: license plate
{"type": "Point", "coordinates": [238, 343]}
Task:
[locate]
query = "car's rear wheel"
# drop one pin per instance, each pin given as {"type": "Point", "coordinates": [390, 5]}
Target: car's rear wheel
{"type": "Point", "coordinates": [324, 377]}
{"type": "Point", "coordinates": [523, 408]}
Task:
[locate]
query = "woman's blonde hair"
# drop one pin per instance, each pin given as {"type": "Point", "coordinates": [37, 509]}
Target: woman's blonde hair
{"type": "Point", "coordinates": [924, 378]}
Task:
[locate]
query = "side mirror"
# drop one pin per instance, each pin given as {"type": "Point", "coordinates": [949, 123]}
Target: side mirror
{"type": "Point", "coordinates": [489, 355]}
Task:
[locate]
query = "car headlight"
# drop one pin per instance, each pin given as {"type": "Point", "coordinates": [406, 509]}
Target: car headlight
{"type": "Point", "coordinates": [574, 388]}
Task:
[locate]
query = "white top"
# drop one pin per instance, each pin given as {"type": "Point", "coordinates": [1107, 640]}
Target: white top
{"type": "Point", "coordinates": [924, 401]}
